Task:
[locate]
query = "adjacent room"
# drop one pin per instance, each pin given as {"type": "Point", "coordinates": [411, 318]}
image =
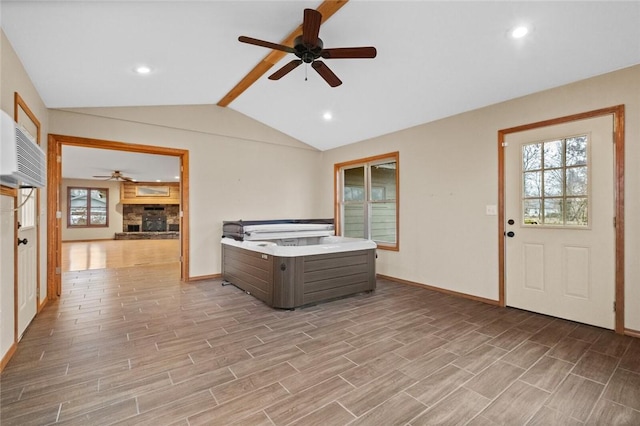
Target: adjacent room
{"type": "Point", "coordinates": [484, 153]}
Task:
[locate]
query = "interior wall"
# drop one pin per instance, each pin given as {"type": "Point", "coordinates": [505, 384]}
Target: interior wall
{"type": "Point", "coordinates": [238, 168]}
{"type": "Point", "coordinates": [115, 211]}
{"type": "Point", "coordinates": [449, 174]}
{"type": "Point", "coordinates": [15, 79]}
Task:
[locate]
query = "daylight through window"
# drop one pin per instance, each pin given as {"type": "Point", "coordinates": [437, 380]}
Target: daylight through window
{"type": "Point", "coordinates": [367, 200]}
{"type": "Point", "coordinates": [88, 207]}
{"type": "Point", "coordinates": [555, 178]}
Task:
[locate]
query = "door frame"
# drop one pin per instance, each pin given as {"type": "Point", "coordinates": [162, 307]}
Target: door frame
{"type": "Point", "coordinates": [54, 179]}
{"type": "Point", "coordinates": [618, 139]}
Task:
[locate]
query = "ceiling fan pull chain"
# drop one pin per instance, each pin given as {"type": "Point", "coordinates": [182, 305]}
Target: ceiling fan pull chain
{"type": "Point", "coordinates": [306, 69]}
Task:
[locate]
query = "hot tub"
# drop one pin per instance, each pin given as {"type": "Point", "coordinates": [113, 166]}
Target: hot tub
{"type": "Point", "coordinates": [288, 264]}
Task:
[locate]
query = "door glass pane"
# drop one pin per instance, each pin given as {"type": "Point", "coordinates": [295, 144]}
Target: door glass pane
{"type": "Point", "coordinates": [354, 184]}
{"type": "Point", "coordinates": [532, 156]}
{"type": "Point", "coordinates": [576, 211]}
{"type": "Point", "coordinates": [533, 184]}
{"type": "Point", "coordinates": [553, 214]}
{"type": "Point", "coordinates": [354, 220]}
{"type": "Point", "coordinates": [577, 181]}
{"type": "Point", "coordinates": [553, 183]}
{"type": "Point", "coordinates": [532, 212]}
{"type": "Point", "coordinates": [553, 154]}
{"type": "Point", "coordinates": [383, 222]}
{"type": "Point", "coordinates": [576, 151]}
{"type": "Point", "coordinates": [27, 211]}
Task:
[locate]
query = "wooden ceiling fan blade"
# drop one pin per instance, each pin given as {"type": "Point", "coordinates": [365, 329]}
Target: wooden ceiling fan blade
{"type": "Point", "coordinates": [267, 44]}
{"type": "Point", "coordinates": [367, 52]}
{"type": "Point", "coordinates": [326, 73]}
{"type": "Point", "coordinates": [285, 69]}
{"type": "Point", "coordinates": [311, 27]}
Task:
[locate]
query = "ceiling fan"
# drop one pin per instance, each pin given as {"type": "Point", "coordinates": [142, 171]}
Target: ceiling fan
{"type": "Point", "coordinates": [308, 47]}
{"type": "Point", "coordinates": [116, 175]}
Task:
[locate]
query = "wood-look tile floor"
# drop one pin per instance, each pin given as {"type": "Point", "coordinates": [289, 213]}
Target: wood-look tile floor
{"type": "Point", "coordinates": [134, 346]}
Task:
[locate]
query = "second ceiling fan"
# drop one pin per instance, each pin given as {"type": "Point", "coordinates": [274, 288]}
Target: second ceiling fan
{"type": "Point", "coordinates": [308, 47]}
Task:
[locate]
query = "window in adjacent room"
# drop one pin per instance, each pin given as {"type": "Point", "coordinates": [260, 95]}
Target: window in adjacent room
{"type": "Point", "coordinates": [367, 199]}
{"type": "Point", "coordinates": [88, 207]}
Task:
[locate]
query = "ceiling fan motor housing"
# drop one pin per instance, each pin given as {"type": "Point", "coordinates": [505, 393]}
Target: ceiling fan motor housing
{"type": "Point", "coordinates": [308, 53]}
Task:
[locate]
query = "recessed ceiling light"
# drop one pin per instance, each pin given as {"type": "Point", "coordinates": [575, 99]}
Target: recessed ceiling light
{"type": "Point", "coordinates": [327, 116]}
{"type": "Point", "coordinates": [176, 177]}
{"type": "Point", "coordinates": [142, 69]}
{"type": "Point", "coordinates": [158, 180]}
{"type": "Point", "coordinates": [519, 32]}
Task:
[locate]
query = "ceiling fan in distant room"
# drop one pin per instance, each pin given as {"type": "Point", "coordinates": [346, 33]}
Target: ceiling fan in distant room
{"type": "Point", "coordinates": [308, 47]}
{"type": "Point", "coordinates": [116, 175]}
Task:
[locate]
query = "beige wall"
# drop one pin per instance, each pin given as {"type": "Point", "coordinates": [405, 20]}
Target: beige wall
{"type": "Point", "coordinates": [15, 79]}
{"type": "Point", "coordinates": [239, 168]}
{"type": "Point", "coordinates": [115, 211]}
{"type": "Point", "coordinates": [449, 174]}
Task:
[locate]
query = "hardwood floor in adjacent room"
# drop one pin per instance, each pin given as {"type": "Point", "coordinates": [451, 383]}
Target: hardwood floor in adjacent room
{"type": "Point", "coordinates": [134, 346]}
{"type": "Point", "coordinates": [83, 255]}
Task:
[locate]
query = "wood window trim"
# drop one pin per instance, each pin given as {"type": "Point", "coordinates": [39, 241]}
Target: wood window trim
{"type": "Point", "coordinates": [88, 224]}
{"type": "Point", "coordinates": [618, 114]}
{"type": "Point", "coordinates": [337, 168]}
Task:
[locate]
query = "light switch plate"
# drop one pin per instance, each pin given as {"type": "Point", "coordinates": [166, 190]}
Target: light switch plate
{"type": "Point", "coordinates": [492, 210]}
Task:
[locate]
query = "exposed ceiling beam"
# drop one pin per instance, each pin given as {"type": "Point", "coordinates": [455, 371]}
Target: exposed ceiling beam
{"type": "Point", "coordinates": [326, 9]}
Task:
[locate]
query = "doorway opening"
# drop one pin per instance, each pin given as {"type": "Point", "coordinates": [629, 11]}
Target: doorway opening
{"type": "Point", "coordinates": [56, 221]}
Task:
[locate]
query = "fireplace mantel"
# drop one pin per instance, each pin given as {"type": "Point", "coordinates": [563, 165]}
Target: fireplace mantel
{"type": "Point", "coordinates": [129, 193]}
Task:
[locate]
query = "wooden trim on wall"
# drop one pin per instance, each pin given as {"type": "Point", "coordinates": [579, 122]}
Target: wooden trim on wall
{"type": "Point", "coordinates": [7, 357]}
{"type": "Point", "coordinates": [619, 139]}
{"type": "Point", "coordinates": [440, 290]}
{"type": "Point", "coordinates": [53, 205]}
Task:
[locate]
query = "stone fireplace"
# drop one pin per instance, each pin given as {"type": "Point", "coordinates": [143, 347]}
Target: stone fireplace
{"type": "Point", "coordinates": [150, 221]}
{"type": "Point", "coordinates": [154, 220]}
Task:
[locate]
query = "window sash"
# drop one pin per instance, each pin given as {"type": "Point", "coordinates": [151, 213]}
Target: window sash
{"type": "Point", "coordinates": [87, 207]}
{"type": "Point", "coordinates": [366, 202]}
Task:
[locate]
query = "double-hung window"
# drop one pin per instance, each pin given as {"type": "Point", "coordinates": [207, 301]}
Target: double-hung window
{"type": "Point", "coordinates": [367, 199]}
{"type": "Point", "coordinates": [88, 207]}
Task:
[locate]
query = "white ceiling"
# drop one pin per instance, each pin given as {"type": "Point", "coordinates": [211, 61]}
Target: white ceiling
{"type": "Point", "coordinates": [84, 163]}
{"type": "Point", "coordinates": [435, 58]}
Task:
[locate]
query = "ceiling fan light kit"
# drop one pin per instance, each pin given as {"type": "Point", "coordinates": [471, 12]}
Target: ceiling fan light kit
{"type": "Point", "coordinates": [309, 48]}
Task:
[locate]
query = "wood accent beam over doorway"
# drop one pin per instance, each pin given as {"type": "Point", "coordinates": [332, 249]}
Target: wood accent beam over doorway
{"type": "Point", "coordinates": [327, 9]}
{"type": "Point", "coordinates": [617, 112]}
{"type": "Point", "coordinates": [54, 178]}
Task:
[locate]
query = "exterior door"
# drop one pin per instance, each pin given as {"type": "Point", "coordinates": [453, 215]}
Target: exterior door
{"type": "Point", "coordinates": [27, 296]}
{"type": "Point", "coordinates": [559, 213]}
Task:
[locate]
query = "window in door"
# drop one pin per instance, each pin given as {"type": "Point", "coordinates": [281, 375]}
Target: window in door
{"type": "Point", "coordinates": [555, 177]}
{"type": "Point", "coordinates": [88, 207]}
{"type": "Point", "coordinates": [27, 215]}
{"type": "Point", "coordinates": [367, 199]}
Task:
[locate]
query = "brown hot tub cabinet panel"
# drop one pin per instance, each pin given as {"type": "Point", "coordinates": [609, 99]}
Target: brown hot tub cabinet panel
{"type": "Point", "coordinates": [249, 270]}
{"type": "Point", "coordinates": [290, 282]}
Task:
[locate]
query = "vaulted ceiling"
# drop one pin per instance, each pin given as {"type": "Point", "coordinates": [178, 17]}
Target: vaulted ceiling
{"type": "Point", "coordinates": [435, 58]}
